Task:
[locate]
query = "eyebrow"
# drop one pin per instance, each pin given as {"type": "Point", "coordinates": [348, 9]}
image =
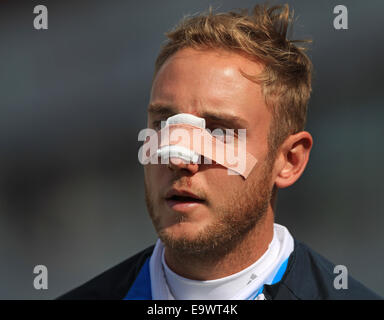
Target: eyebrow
{"type": "Point", "coordinates": [161, 110]}
{"type": "Point", "coordinates": [231, 121]}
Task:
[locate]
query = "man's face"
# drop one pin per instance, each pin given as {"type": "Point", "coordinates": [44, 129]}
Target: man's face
{"type": "Point", "coordinates": [208, 84]}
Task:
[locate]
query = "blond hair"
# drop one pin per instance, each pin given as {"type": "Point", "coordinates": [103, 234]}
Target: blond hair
{"type": "Point", "coordinates": [261, 36]}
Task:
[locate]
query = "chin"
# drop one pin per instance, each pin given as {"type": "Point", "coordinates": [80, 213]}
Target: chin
{"type": "Point", "coordinates": [183, 230]}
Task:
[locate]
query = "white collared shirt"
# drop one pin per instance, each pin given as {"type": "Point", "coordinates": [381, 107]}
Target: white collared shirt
{"type": "Point", "coordinates": [167, 285]}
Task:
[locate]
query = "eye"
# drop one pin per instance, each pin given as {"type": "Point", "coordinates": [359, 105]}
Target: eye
{"type": "Point", "coordinates": [156, 124]}
{"type": "Point", "coordinates": [224, 135]}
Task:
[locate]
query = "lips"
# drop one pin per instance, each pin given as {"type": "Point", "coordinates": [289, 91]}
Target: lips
{"type": "Point", "coordinates": [182, 200]}
{"type": "Point", "coordinates": [182, 195]}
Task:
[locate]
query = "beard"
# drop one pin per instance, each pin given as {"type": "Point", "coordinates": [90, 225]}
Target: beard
{"type": "Point", "coordinates": [235, 217]}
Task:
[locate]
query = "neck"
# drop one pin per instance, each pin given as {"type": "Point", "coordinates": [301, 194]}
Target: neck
{"type": "Point", "coordinates": [245, 253]}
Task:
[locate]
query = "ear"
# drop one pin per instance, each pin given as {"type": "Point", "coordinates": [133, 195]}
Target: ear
{"type": "Point", "coordinates": [292, 158]}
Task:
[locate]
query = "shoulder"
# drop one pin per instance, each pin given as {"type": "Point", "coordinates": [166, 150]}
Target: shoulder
{"type": "Point", "coordinates": [310, 276]}
{"type": "Point", "coordinates": [113, 283]}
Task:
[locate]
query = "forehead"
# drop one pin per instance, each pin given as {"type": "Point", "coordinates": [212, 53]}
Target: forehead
{"type": "Point", "coordinates": [200, 81]}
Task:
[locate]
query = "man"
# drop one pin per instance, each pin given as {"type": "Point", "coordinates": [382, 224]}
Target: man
{"type": "Point", "coordinates": [217, 236]}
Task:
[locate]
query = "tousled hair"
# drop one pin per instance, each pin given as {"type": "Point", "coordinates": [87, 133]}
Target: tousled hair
{"type": "Point", "coordinates": [261, 35]}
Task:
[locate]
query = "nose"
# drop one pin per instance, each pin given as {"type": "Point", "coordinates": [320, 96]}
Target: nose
{"type": "Point", "coordinates": [176, 164]}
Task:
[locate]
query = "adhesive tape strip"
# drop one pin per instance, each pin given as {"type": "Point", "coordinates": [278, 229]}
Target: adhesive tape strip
{"type": "Point", "coordinates": [185, 137]}
{"type": "Point", "coordinates": [175, 151]}
{"type": "Point", "coordinates": [186, 118]}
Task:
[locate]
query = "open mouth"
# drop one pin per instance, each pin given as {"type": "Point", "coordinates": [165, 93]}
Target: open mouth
{"type": "Point", "coordinates": [182, 200]}
{"type": "Point", "coordinates": [177, 198]}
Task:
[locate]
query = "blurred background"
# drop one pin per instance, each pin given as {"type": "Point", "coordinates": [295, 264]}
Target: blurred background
{"type": "Point", "coordinates": [73, 99]}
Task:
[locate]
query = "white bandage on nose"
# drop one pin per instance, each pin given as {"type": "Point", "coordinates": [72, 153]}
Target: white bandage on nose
{"type": "Point", "coordinates": [185, 136]}
{"type": "Point", "coordinates": [175, 151]}
{"type": "Point", "coordinates": [186, 118]}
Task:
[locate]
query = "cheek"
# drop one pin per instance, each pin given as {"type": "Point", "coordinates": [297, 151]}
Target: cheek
{"type": "Point", "coordinates": [259, 149]}
{"type": "Point", "coordinates": [154, 177]}
{"type": "Point", "coordinates": [224, 188]}
{"type": "Point", "coordinates": [219, 183]}
{"type": "Point", "coordinates": [257, 141]}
